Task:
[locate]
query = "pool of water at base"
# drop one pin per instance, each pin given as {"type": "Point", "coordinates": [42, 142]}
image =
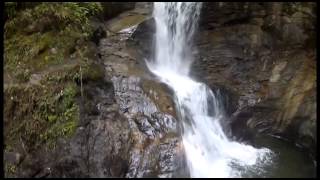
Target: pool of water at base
{"type": "Point", "coordinates": [288, 161]}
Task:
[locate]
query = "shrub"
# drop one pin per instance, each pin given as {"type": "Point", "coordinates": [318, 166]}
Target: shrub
{"type": "Point", "coordinates": [57, 15]}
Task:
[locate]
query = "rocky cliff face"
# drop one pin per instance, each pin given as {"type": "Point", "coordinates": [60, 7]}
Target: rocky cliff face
{"type": "Point", "coordinates": [264, 53]}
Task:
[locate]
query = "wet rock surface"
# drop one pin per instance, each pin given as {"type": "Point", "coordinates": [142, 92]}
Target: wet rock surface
{"type": "Point", "coordinates": [101, 137]}
{"type": "Point", "coordinates": [263, 65]}
{"type": "Point", "coordinates": [155, 144]}
{"type": "Point", "coordinates": [100, 140]}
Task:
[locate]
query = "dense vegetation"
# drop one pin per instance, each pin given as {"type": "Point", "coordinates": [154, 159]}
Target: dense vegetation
{"type": "Point", "coordinates": [44, 34]}
{"type": "Point", "coordinates": [52, 42]}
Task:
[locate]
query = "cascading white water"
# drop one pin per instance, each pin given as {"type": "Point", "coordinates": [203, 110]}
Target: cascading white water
{"type": "Point", "coordinates": [208, 151]}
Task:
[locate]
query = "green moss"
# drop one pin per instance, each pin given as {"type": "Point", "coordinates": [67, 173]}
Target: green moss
{"type": "Point", "coordinates": [45, 35]}
{"type": "Point", "coordinates": [37, 51]}
{"type": "Point", "coordinates": [43, 114]}
{"type": "Point", "coordinates": [54, 16]}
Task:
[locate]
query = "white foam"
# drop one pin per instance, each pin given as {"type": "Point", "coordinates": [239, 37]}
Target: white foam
{"type": "Point", "coordinates": [209, 152]}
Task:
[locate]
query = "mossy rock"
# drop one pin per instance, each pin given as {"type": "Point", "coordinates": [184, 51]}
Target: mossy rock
{"type": "Point", "coordinates": [93, 72]}
{"type": "Point", "coordinates": [37, 49]}
{"type": "Point", "coordinates": [40, 115]}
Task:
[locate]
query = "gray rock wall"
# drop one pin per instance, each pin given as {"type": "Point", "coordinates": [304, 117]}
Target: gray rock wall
{"type": "Point", "coordinates": [265, 54]}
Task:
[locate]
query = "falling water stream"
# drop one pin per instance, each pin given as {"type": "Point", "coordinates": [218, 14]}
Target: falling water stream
{"type": "Point", "coordinates": [208, 150]}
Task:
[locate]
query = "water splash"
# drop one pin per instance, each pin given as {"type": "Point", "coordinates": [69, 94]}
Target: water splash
{"type": "Point", "coordinates": [208, 150]}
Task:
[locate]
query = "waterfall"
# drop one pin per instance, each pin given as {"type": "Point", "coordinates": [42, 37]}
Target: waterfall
{"type": "Point", "coordinates": [208, 150]}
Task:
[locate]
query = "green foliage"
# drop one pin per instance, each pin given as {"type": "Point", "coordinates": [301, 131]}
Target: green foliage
{"type": "Point", "coordinates": [55, 15]}
{"type": "Point", "coordinates": [68, 94]}
{"type": "Point", "coordinates": [62, 116]}
{"type": "Point", "coordinates": [44, 114]}
{"type": "Point", "coordinates": [44, 34]}
{"type": "Point", "coordinates": [35, 38]}
{"type": "Point", "coordinates": [62, 125]}
{"type": "Point", "coordinates": [21, 48]}
{"type": "Point", "coordinates": [34, 52]}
